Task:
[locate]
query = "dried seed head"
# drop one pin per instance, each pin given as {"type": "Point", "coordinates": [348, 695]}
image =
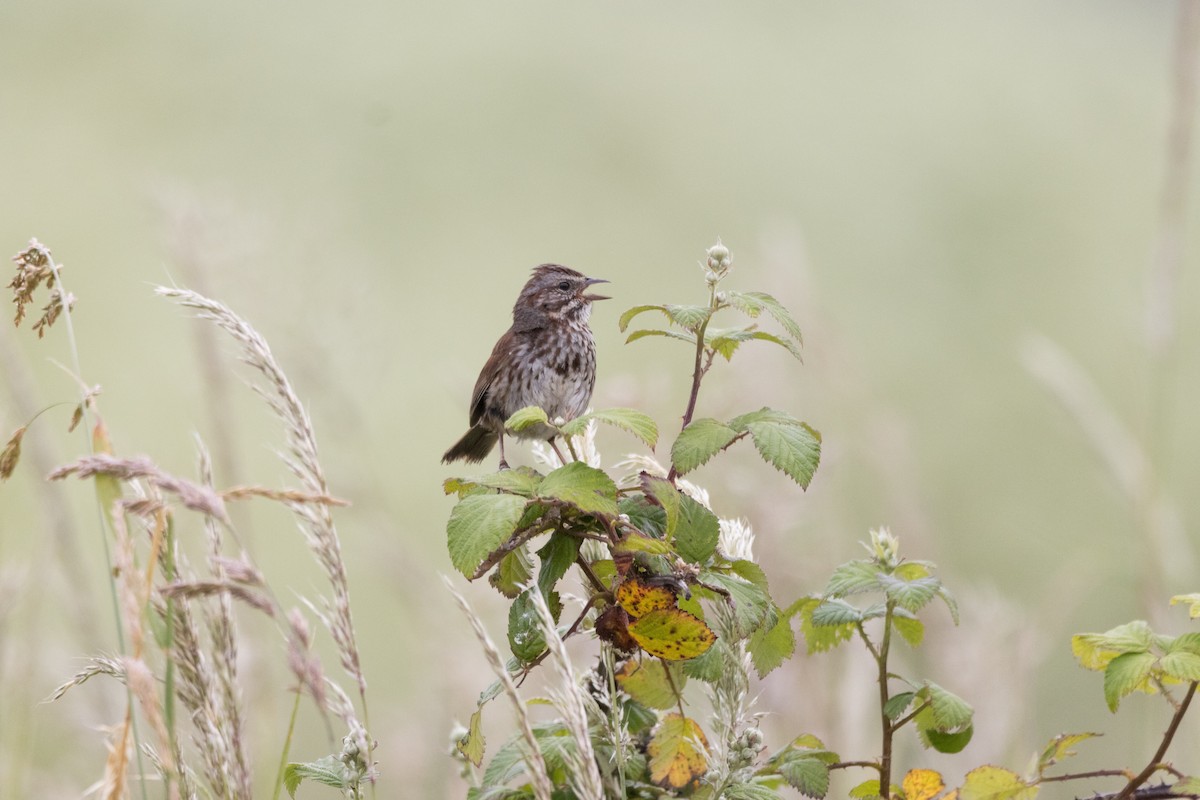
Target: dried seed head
{"type": "Point", "coordinates": [11, 454]}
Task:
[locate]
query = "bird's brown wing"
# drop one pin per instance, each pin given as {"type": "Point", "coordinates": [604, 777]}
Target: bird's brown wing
{"type": "Point", "coordinates": [488, 374]}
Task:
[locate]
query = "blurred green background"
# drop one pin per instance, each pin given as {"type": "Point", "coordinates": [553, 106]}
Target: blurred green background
{"type": "Point", "coordinates": [930, 187]}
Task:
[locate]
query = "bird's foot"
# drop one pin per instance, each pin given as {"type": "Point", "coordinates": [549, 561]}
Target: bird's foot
{"type": "Point", "coordinates": [503, 465]}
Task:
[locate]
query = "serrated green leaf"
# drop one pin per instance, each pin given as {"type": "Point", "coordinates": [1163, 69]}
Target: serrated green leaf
{"type": "Point", "coordinates": [911, 629]}
{"type": "Point", "coordinates": [512, 573]}
{"type": "Point", "coordinates": [553, 739]}
{"type": "Point", "coordinates": [950, 602]}
{"type": "Point", "coordinates": [819, 639]}
{"type": "Point", "coordinates": [557, 555]}
{"type": "Point", "coordinates": [329, 771]}
{"type": "Point", "coordinates": [478, 524]}
{"type": "Point", "coordinates": [471, 744]}
{"type": "Point", "coordinates": [697, 531]}
{"type": "Point", "coordinates": [525, 636]}
{"type": "Point", "coordinates": [672, 634]}
{"type": "Point", "coordinates": [627, 419]}
{"type": "Point", "coordinates": [835, 612]}
{"type": "Point", "coordinates": [522, 480]}
{"type": "Point", "coordinates": [793, 449]}
{"type": "Point", "coordinates": [751, 572]}
{"type": "Point", "coordinates": [770, 646]}
{"type": "Point", "coordinates": [909, 595]}
{"type": "Point", "coordinates": [911, 570]}
{"type": "Point", "coordinates": [1182, 666]}
{"type": "Point", "coordinates": [751, 605]}
{"type": "Point", "coordinates": [709, 665]}
{"type": "Point", "coordinates": [853, 577]}
{"type": "Point", "coordinates": [698, 442]}
{"type": "Point", "coordinates": [642, 334]}
{"type": "Point", "coordinates": [1186, 787]}
{"type": "Point", "coordinates": [995, 783]}
{"type": "Point", "coordinates": [897, 704]}
{"type": "Point", "coordinates": [587, 488]}
{"type": "Point", "coordinates": [1125, 674]}
{"type": "Point", "coordinates": [949, 711]}
{"type": "Point", "coordinates": [754, 303]}
{"type": "Point", "coordinates": [628, 316]}
{"type": "Point", "coordinates": [668, 497]}
{"type": "Point", "coordinates": [688, 317]}
{"type": "Point", "coordinates": [644, 515]}
{"type": "Point", "coordinates": [1186, 643]}
{"type": "Point", "coordinates": [867, 790]}
{"type": "Point", "coordinates": [748, 791]}
{"type": "Point", "coordinates": [526, 417]}
{"type": "Point", "coordinates": [642, 544]}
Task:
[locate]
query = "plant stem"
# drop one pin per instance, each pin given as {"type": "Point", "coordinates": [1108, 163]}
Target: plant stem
{"type": "Point", "coordinates": [885, 760]}
{"type": "Point", "coordinates": [287, 746]}
{"type": "Point", "coordinates": [1156, 762]}
{"type": "Point", "coordinates": [698, 370]}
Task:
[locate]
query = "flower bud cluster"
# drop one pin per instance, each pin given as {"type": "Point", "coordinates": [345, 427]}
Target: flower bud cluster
{"type": "Point", "coordinates": [717, 264]}
{"type": "Point", "coordinates": [745, 749]}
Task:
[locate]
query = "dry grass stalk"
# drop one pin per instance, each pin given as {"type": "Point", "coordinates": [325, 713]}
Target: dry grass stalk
{"type": "Point", "coordinates": [197, 498]}
{"type": "Point", "coordinates": [200, 588]}
{"type": "Point", "coordinates": [535, 764]}
{"type": "Point", "coordinates": [142, 683]}
{"type": "Point", "coordinates": [305, 665]}
{"type": "Point", "coordinates": [35, 267]}
{"type": "Point", "coordinates": [282, 495]}
{"type": "Point", "coordinates": [572, 702]}
{"type": "Point", "coordinates": [316, 519]}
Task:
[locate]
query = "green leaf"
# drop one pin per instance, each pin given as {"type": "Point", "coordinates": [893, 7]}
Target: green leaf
{"type": "Point", "coordinates": [867, 790]}
{"type": "Point", "coordinates": [950, 602]}
{"type": "Point", "coordinates": [644, 515]}
{"type": "Point", "coordinates": [1125, 674]}
{"type": "Point", "coordinates": [697, 531]}
{"type": "Point", "coordinates": [726, 341]}
{"type": "Point", "coordinates": [1181, 666]}
{"type": "Point", "coordinates": [628, 316]}
{"type": "Point", "coordinates": [672, 634]}
{"type": "Point", "coordinates": [1186, 787]}
{"type": "Point", "coordinates": [688, 317]}
{"type": "Point", "coordinates": [995, 783]}
{"type": "Point", "coordinates": [709, 666]}
{"type": "Point", "coordinates": [748, 791]}
{"type": "Point", "coordinates": [1187, 643]}
{"type": "Point", "coordinates": [911, 629]}
{"type": "Point", "coordinates": [751, 572]}
{"type": "Point", "coordinates": [700, 441]}
{"type": "Point", "coordinates": [668, 497]}
{"type": "Point", "coordinates": [512, 573]}
{"type": "Point", "coordinates": [647, 682]}
{"type": "Point", "coordinates": [853, 577]}
{"type": "Point", "coordinates": [471, 744]}
{"type": "Point", "coordinates": [769, 647]}
{"type": "Point", "coordinates": [897, 704]}
{"type": "Point", "coordinates": [525, 636]}
{"type": "Point", "coordinates": [819, 639]}
{"type": "Point", "coordinates": [751, 605]}
{"type": "Point", "coordinates": [642, 334]}
{"type": "Point", "coordinates": [627, 419]}
{"type": "Point", "coordinates": [953, 742]}
{"type": "Point", "coordinates": [835, 612]}
{"type": "Point", "coordinates": [478, 525]}
{"type": "Point", "coordinates": [553, 739]}
{"type": "Point", "coordinates": [910, 595]}
{"type": "Point", "coordinates": [526, 417]}
{"type": "Point", "coordinates": [808, 775]}
{"type": "Point", "coordinates": [949, 711]}
{"type": "Point", "coordinates": [522, 480]}
{"type": "Point", "coordinates": [587, 488]}
{"type": "Point", "coordinates": [328, 770]}
{"type": "Point", "coordinates": [754, 303]}
{"type": "Point", "coordinates": [792, 448]}
{"type": "Point", "coordinates": [558, 554]}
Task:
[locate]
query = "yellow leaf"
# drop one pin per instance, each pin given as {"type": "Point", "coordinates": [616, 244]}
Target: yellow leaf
{"type": "Point", "coordinates": [672, 634]}
{"type": "Point", "coordinates": [995, 783]}
{"type": "Point", "coordinates": [648, 683]}
{"type": "Point", "coordinates": [922, 784]}
{"type": "Point", "coordinates": [472, 742]}
{"type": "Point", "coordinates": [678, 752]}
{"type": "Point", "coordinates": [639, 598]}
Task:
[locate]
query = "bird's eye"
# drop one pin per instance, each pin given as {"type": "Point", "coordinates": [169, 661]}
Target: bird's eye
{"type": "Point", "coordinates": [564, 286]}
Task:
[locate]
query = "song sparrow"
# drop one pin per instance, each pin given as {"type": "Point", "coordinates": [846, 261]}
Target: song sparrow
{"type": "Point", "coordinates": [547, 359]}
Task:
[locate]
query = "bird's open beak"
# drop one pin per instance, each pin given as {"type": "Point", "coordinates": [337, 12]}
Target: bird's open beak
{"type": "Point", "coordinates": [594, 297]}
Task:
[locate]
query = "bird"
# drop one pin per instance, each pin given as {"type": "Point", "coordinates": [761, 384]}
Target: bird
{"type": "Point", "coordinates": [546, 359]}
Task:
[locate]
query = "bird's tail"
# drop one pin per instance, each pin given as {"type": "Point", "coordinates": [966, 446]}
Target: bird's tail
{"type": "Point", "coordinates": [473, 446]}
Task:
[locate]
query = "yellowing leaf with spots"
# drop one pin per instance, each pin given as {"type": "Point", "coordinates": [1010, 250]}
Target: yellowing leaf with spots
{"type": "Point", "coordinates": [672, 634]}
{"type": "Point", "coordinates": [922, 784]}
{"type": "Point", "coordinates": [678, 752]}
{"type": "Point", "coordinates": [639, 598]}
{"type": "Point", "coordinates": [648, 683]}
